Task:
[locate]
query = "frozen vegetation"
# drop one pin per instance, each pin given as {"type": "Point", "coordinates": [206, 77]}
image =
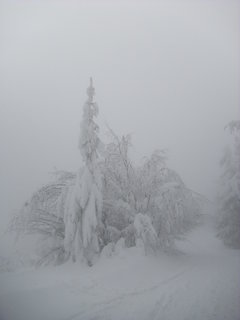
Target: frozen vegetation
{"type": "Point", "coordinates": [109, 199]}
{"type": "Point", "coordinates": [117, 240]}
{"type": "Point", "coordinates": [228, 222]}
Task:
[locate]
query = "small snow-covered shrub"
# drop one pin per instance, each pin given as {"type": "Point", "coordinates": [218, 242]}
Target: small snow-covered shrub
{"type": "Point", "coordinates": [108, 250]}
{"type": "Point", "coordinates": [112, 249]}
{"type": "Point", "coordinates": [129, 235]}
{"type": "Point", "coordinates": [111, 234]}
{"type": "Point", "coordinates": [146, 232]}
{"type": "Point", "coordinates": [119, 246]}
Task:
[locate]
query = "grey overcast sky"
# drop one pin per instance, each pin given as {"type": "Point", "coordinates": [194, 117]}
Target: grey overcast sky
{"type": "Point", "coordinates": [166, 71]}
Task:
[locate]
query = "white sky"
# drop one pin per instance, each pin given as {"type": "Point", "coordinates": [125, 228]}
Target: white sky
{"type": "Point", "coordinates": [166, 71]}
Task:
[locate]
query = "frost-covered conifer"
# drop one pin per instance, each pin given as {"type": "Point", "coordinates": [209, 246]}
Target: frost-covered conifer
{"type": "Point", "coordinates": [87, 206]}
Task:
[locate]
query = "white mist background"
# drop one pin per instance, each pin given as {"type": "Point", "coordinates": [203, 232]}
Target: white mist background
{"type": "Point", "coordinates": [168, 72]}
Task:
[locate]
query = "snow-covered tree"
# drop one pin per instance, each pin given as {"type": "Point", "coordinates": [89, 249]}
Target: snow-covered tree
{"type": "Point", "coordinates": [149, 180]}
{"type": "Point", "coordinates": [83, 213]}
{"type": "Point", "coordinates": [118, 184]}
{"type": "Point", "coordinates": [78, 214]}
{"type": "Point", "coordinates": [229, 194]}
{"type": "Point", "coordinates": [162, 194]}
{"type": "Point", "coordinates": [118, 169]}
{"type": "Point", "coordinates": [41, 220]}
{"type": "Point", "coordinates": [152, 189]}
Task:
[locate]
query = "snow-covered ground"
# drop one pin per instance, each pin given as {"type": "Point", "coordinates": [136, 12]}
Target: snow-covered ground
{"type": "Point", "coordinates": [200, 281]}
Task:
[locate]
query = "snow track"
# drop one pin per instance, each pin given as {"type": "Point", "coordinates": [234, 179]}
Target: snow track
{"type": "Point", "coordinates": [110, 303]}
{"type": "Point", "coordinates": [201, 281]}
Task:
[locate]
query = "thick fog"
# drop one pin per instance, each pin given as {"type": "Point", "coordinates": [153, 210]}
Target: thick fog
{"type": "Point", "coordinates": [167, 72]}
